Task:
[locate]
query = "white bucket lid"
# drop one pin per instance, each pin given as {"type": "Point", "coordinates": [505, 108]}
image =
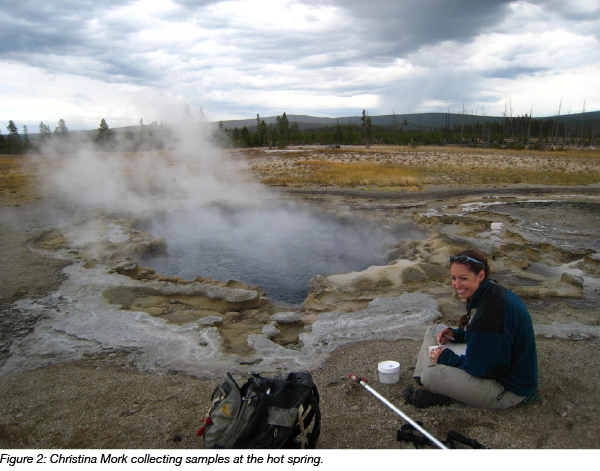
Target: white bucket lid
{"type": "Point", "coordinates": [388, 366]}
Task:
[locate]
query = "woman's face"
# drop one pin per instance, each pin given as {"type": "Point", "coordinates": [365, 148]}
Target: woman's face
{"type": "Point", "coordinates": [464, 281]}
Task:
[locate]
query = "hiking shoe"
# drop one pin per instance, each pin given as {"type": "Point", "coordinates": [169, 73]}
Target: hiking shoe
{"type": "Point", "coordinates": [420, 397]}
{"type": "Point", "coordinates": [530, 399]}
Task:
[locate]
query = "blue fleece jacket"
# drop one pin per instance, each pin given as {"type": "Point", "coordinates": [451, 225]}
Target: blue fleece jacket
{"type": "Point", "coordinates": [500, 341]}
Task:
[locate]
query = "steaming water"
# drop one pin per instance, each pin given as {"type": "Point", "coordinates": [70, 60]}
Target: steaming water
{"type": "Point", "coordinates": [278, 249]}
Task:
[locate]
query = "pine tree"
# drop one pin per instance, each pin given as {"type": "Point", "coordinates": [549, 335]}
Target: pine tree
{"type": "Point", "coordinates": [44, 132]}
{"type": "Point", "coordinates": [25, 137]}
{"type": "Point", "coordinates": [283, 126]}
{"type": "Point", "coordinates": [61, 128]}
{"type": "Point", "coordinates": [261, 134]}
{"type": "Point", "coordinates": [12, 128]}
{"type": "Point", "coordinates": [103, 128]}
{"type": "Point", "coordinates": [44, 128]}
{"type": "Point", "coordinates": [367, 128]}
{"type": "Point", "coordinates": [245, 137]}
{"type": "Point", "coordinates": [13, 139]}
{"type": "Point", "coordinates": [103, 133]}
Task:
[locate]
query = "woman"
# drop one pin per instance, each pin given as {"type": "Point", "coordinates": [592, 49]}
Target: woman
{"type": "Point", "coordinates": [499, 368]}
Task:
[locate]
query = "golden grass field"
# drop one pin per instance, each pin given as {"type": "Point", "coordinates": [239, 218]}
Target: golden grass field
{"type": "Point", "coordinates": [380, 167]}
{"type": "Point", "coordinates": [412, 168]}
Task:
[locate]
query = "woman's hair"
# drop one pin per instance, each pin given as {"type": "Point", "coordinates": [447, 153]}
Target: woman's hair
{"type": "Point", "coordinates": [474, 266]}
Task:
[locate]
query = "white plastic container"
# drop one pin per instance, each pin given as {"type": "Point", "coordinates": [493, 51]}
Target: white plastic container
{"type": "Point", "coordinates": [389, 372]}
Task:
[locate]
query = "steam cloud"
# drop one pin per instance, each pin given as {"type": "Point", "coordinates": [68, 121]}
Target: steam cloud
{"type": "Point", "coordinates": [196, 172]}
{"type": "Point", "coordinates": [218, 222]}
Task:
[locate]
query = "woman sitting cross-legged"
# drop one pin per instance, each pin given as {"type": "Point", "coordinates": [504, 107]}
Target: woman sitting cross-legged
{"type": "Point", "coordinates": [499, 369]}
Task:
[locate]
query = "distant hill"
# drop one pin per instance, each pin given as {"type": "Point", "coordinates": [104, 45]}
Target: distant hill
{"type": "Point", "coordinates": [414, 120]}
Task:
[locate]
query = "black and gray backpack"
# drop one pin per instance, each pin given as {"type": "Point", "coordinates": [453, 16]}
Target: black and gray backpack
{"type": "Point", "coordinates": [263, 413]}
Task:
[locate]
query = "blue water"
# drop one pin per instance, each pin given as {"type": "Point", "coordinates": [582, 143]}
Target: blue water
{"type": "Point", "coordinates": [278, 249]}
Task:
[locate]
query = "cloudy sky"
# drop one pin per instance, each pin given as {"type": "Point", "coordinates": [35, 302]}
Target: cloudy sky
{"type": "Point", "coordinates": [84, 60]}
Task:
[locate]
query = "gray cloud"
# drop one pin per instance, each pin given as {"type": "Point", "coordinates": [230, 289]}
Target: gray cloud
{"type": "Point", "coordinates": [400, 27]}
{"type": "Point", "coordinates": [322, 57]}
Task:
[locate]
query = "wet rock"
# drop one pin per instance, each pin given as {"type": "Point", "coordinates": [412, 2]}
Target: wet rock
{"type": "Point", "coordinates": [286, 317]}
{"type": "Point", "coordinates": [149, 248]}
{"type": "Point", "coordinates": [209, 321]}
{"type": "Point", "coordinates": [126, 267]}
{"type": "Point", "coordinates": [384, 318]}
{"type": "Point", "coordinates": [572, 280]}
{"type": "Point", "coordinates": [405, 249]}
{"type": "Point", "coordinates": [343, 291]}
{"type": "Point", "coordinates": [549, 289]}
{"type": "Point", "coordinates": [241, 285]}
{"type": "Point", "coordinates": [317, 285]}
{"type": "Point", "coordinates": [269, 331]}
{"type": "Point", "coordinates": [146, 273]}
{"type": "Point", "coordinates": [590, 264]}
{"type": "Point", "coordinates": [237, 298]}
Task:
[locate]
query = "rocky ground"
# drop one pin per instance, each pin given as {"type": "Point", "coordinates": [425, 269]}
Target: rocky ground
{"type": "Point", "coordinates": [102, 398]}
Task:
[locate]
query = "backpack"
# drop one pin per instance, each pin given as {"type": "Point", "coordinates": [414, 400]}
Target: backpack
{"type": "Point", "coordinates": [263, 413]}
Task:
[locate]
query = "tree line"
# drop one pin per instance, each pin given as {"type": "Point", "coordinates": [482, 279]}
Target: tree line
{"type": "Point", "coordinates": [138, 138]}
{"type": "Point", "coordinates": [509, 132]}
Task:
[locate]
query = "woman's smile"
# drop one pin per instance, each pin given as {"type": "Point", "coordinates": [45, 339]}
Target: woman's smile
{"type": "Point", "coordinates": [464, 281]}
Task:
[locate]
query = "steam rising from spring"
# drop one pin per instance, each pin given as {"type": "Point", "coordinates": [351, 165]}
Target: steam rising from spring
{"type": "Point", "coordinates": [218, 222]}
{"type": "Point", "coordinates": [194, 172]}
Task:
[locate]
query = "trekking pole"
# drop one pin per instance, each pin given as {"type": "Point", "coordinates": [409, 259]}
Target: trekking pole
{"type": "Point", "coordinates": [416, 426]}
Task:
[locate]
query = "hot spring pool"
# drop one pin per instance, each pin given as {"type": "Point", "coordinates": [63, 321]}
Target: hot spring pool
{"type": "Point", "coordinates": [278, 249]}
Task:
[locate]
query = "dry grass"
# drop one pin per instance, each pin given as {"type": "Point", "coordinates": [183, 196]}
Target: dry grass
{"type": "Point", "coordinates": [404, 167]}
{"type": "Point", "coordinates": [566, 153]}
{"type": "Point", "coordinates": [17, 179]}
{"type": "Point", "coordinates": [360, 174]}
{"type": "Point", "coordinates": [380, 167]}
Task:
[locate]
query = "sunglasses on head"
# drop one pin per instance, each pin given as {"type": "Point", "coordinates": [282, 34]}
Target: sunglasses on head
{"type": "Point", "coordinates": [464, 259]}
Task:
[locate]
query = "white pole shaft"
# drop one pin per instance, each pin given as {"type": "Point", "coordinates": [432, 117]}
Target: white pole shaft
{"type": "Point", "coordinates": [425, 433]}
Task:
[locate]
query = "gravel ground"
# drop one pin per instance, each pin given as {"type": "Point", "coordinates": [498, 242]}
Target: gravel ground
{"type": "Point", "coordinates": [103, 403]}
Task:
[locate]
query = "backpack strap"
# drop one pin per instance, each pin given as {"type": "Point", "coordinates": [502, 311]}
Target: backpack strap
{"type": "Point", "coordinates": [313, 412]}
{"type": "Point", "coordinates": [313, 436]}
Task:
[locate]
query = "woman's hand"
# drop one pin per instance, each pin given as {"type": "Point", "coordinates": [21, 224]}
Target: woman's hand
{"type": "Point", "coordinates": [435, 353]}
{"type": "Point", "coordinates": [445, 336]}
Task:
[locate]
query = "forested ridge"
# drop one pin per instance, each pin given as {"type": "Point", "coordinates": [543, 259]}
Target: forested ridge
{"type": "Point", "coordinates": [580, 131]}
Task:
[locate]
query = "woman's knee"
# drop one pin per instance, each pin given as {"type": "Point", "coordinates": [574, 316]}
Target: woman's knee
{"type": "Point", "coordinates": [432, 378]}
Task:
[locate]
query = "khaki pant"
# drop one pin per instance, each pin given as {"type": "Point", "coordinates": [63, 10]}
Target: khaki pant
{"type": "Point", "coordinates": [458, 384]}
